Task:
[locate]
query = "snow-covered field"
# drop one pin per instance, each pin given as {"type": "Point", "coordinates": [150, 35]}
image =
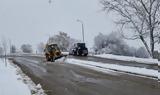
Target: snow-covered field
{"type": "Point", "coordinates": [104, 67]}
{"type": "Point", "coordinates": [126, 58]}
{"type": "Point", "coordinates": [14, 82]}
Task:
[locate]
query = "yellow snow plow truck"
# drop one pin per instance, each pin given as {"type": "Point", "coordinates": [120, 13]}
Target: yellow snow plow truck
{"type": "Point", "coordinates": [52, 52]}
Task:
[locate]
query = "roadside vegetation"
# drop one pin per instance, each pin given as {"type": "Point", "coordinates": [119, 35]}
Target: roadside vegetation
{"type": "Point", "coordinates": [140, 18]}
{"type": "Point", "coordinates": [115, 44]}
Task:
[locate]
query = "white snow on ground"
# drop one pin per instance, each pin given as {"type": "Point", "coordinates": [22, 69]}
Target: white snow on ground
{"type": "Point", "coordinates": [98, 66]}
{"type": "Point", "coordinates": [127, 58]}
{"type": "Point", "coordinates": [65, 53]}
{"type": "Point", "coordinates": [9, 83]}
{"type": "Point", "coordinates": [159, 63]}
{"type": "Point", "coordinates": [14, 82]}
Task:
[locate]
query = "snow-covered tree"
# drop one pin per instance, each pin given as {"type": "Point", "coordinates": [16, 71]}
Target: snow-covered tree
{"type": "Point", "coordinates": [4, 45]}
{"type": "Point", "coordinates": [41, 47]}
{"type": "Point", "coordinates": [71, 43]}
{"type": "Point", "coordinates": [26, 48]}
{"type": "Point", "coordinates": [132, 51]}
{"type": "Point", "coordinates": [140, 17]}
{"type": "Point", "coordinates": [1, 51]}
{"type": "Point", "coordinates": [112, 44]}
{"type": "Point", "coordinates": [13, 49]}
{"type": "Point", "coordinates": [142, 53]}
{"type": "Point", "coordinates": [62, 40]}
{"type": "Point", "coordinates": [100, 41]}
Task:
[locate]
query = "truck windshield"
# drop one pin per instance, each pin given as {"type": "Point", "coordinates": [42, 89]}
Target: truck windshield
{"type": "Point", "coordinates": [81, 45]}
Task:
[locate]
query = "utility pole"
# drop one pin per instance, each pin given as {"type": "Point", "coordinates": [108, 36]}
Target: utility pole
{"type": "Point", "coordinates": [82, 28]}
{"type": "Point", "coordinates": [10, 45]}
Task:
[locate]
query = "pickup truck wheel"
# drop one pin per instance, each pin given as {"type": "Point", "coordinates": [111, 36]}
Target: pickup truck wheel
{"type": "Point", "coordinates": [85, 54]}
{"type": "Point", "coordinates": [74, 53]}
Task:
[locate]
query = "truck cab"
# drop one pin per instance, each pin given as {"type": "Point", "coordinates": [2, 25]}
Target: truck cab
{"type": "Point", "coordinates": [79, 49]}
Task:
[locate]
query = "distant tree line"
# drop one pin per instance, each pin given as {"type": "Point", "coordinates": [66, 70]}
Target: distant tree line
{"type": "Point", "coordinates": [62, 39]}
{"type": "Point", "coordinates": [26, 48]}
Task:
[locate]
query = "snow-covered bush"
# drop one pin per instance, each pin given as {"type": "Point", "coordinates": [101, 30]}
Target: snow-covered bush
{"type": "Point", "coordinates": [26, 48]}
{"type": "Point", "coordinates": [13, 49]}
{"type": "Point", "coordinates": [115, 44]}
{"type": "Point", "coordinates": [142, 53]}
{"type": "Point", "coordinates": [111, 44]}
{"type": "Point", "coordinates": [100, 41]}
{"type": "Point", "coordinates": [1, 51]}
{"type": "Point", "coordinates": [41, 47]}
{"type": "Point", "coordinates": [71, 43]}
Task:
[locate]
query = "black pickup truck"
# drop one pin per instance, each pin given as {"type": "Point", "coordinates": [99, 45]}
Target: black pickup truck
{"type": "Point", "coordinates": [79, 49]}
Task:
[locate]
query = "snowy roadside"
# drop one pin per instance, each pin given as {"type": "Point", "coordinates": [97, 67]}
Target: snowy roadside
{"type": "Point", "coordinates": [101, 67]}
{"type": "Point", "coordinates": [14, 82]}
{"type": "Point", "coordinates": [127, 58]}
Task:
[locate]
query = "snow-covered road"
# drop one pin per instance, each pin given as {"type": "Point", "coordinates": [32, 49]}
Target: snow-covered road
{"type": "Point", "coordinates": [74, 76]}
{"type": "Point", "coordinates": [104, 67]}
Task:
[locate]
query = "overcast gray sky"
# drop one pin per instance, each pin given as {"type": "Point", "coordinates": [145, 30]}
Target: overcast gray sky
{"type": "Point", "coordinates": [33, 21]}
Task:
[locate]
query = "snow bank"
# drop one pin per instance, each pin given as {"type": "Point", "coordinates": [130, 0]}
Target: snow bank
{"type": "Point", "coordinates": [35, 89]}
{"type": "Point", "coordinates": [14, 82]}
{"type": "Point", "coordinates": [9, 83]}
{"type": "Point", "coordinates": [102, 67]}
{"type": "Point", "coordinates": [65, 53]}
{"type": "Point", "coordinates": [127, 58]}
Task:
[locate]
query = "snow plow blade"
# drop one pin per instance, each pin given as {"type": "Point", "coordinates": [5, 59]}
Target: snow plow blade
{"type": "Point", "coordinates": [60, 57]}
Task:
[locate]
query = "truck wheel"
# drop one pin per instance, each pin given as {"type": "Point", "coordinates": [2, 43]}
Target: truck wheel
{"type": "Point", "coordinates": [79, 53]}
{"type": "Point", "coordinates": [85, 54]}
{"type": "Point", "coordinates": [74, 53]}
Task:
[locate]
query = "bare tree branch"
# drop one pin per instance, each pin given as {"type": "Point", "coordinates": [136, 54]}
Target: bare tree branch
{"type": "Point", "coordinates": [142, 17]}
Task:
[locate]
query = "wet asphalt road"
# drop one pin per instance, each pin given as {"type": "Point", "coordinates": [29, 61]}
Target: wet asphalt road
{"type": "Point", "coordinates": [65, 79]}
